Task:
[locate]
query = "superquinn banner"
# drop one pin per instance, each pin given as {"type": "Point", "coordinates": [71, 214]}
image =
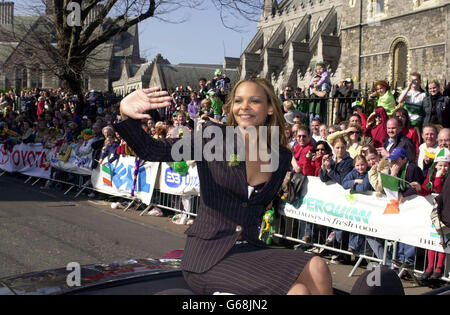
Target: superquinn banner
{"type": "Point", "coordinates": [117, 178]}
{"type": "Point", "coordinates": [28, 159]}
{"type": "Point", "coordinates": [331, 205]}
{"type": "Point", "coordinates": [171, 182]}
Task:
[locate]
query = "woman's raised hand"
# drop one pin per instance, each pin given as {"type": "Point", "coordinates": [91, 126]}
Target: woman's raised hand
{"type": "Point", "coordinates": [137, 103]}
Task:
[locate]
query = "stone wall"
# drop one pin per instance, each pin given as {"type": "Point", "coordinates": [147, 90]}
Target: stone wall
{"type": "Point", "coordinates": [368, 37]}
{"type": "Point", "coordinates": [422, 28]}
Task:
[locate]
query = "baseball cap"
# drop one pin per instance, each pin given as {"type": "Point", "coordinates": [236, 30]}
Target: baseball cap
{"type": "Point", "coordinates": [217, 72]}
{"type": "Point", "coordinates": [76, 120]}
{"type": "Point", "coordinates": [397, 153]}
{"type": "Point", "coordinates": [349, 80]}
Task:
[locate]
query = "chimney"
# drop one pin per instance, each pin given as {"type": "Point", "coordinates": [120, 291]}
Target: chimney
{"type": "Point", "coordinates": [6, 13]}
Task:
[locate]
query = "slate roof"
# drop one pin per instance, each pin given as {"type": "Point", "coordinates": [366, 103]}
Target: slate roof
{"type": "Point", "coordinates": [9, 41]}
{"type": "Point", "coordinates": [174, 75]}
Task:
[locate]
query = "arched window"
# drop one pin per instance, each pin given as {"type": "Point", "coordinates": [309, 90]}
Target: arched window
{"type": "Point", "coordinates": [377, 9]}
{"type": "Point", "coordinates": [400, 63]}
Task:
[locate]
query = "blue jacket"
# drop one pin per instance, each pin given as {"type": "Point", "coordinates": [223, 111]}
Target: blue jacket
{"type": "Point", "coordinates": [338, 171]}
{"type": "Point", "coordinates": [110, 149]}
{"type": "Point", "coordinates": [349, 181]}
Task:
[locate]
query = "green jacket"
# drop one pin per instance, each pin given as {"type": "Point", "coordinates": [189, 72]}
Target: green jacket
{"type": "Point", "coordinates": [216, 105]}
{"type": "Point", "coordinates": [387, 101]}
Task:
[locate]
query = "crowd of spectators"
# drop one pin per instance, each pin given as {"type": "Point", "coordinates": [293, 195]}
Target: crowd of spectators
{"type": "Point", "coordinates": [401, 137]}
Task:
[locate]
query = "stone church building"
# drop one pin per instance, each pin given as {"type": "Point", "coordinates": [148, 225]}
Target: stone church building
{"type": "Point", "coordinates": [368, 40]}
{"type": "Point", "coordinates": [22, 65]}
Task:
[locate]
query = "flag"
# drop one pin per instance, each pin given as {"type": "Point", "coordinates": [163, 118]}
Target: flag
{"type": "Point", "coordinates": [430, 153]}
{"type": "Point", "coordinates": [391, 186]}
{"type": "Point", "coordinates": [106, 174]}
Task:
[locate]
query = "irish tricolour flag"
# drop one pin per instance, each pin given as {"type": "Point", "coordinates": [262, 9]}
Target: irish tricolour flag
{"type": "Point", "coordinates": [391, 186]}
{"type": "Point", "coordinates": [106, 174]}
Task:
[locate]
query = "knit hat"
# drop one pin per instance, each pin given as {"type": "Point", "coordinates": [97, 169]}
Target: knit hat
{"type": "Point", "coordinates": [180, 167]}
{"type": "Point", "coordinates": [443, 155]}
{"type": "Point", "coordinates": [87, 134]}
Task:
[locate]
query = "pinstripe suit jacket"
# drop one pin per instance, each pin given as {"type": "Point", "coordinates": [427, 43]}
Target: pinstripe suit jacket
{"type": "Point", "coordinates": [225, 211]}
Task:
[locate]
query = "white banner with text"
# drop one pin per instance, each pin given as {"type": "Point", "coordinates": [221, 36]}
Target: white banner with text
{"type": "Point", "coordinates": [117, 178]}
{"type": "Point", "coordinates": [331, 205]}
{"type": "Point", "coordinates": [28, 159]}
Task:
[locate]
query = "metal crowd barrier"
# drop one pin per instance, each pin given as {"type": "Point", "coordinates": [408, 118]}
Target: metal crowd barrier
{"type": "Point", "coordinates": [180, 204]}
{"type": "Point", "coordinates": [293, 230]}
{"type": "Point", "coordinates": [287, 228]}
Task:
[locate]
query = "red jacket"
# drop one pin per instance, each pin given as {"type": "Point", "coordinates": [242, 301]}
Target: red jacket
{"type": "Point", "coordinates": [363, 121]}
{"type": "Point", "coordinates": [379, 132]}
{"type": "Point", "coordinates": [40, 108]}
{"type": "Point", "coordinates": [317, 165]}
{"type": "Point", "coordinates": [412, 134]}
{"type": "Point", "coordinates": [305, 164]}
{"type": "Point", "coordinates": [438, 184]}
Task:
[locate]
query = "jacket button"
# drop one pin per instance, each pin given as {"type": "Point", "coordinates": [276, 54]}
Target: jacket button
{"type": "Point", "coordinates": [238, 228]}
{"type": "Point", "coordinates": [244, 204]}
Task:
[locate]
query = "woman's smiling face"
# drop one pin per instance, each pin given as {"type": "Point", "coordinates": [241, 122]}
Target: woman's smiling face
{"type": "Point", "coordinates": [250, 105]}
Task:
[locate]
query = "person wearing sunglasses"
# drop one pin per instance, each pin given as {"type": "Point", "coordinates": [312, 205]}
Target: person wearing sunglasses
{"type": "Point", "coordinates": [353, 135]}
{"type": "Point", "coordinates": [301, 161]}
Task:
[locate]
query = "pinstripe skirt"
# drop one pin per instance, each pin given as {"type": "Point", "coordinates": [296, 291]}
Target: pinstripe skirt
{"type": "Point", "coordinates": [251, 270]}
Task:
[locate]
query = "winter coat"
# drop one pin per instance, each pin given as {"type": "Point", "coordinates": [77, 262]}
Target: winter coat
{"type": "Point", "coordinates": [378, 132]}
{"type": "Point", "coordinates": [302, 161]}
{"type": "Point", "coordinates": [404, 142]}
{"type": "Point", "coordinates": [441, 109]}
{"type": "Point", "coordinates": [438, 184]}
{"type": "Point", "coordinates": [338, 171]}
{"type": "Point", "coordinates": [349, 181]}
{"type": "Point", "coordinates": [387, 101]}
